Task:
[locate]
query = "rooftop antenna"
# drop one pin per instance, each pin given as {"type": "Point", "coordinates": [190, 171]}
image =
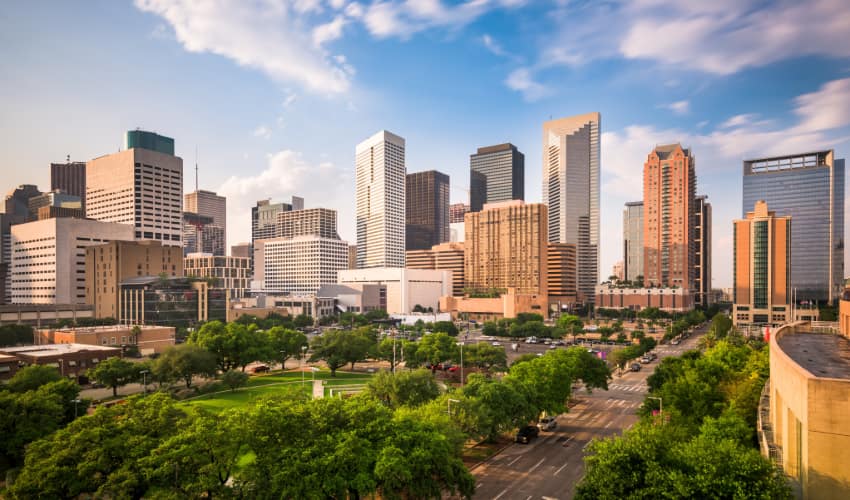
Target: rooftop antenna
{"type": "Point", "coordinates": [68, 158]}
{"type": "Point", "coordinates": [196, 168]}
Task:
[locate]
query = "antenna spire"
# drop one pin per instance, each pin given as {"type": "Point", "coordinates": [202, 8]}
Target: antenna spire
{"type": "Point", "coordinates": [196, 168]}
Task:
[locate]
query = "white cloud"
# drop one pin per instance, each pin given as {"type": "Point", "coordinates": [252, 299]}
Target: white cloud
{"type": "Point", "coordinates": [403, 19]}
{"type": "Point", "coordinates": [825, 109]}
{"type": "Point", "coordinates": [286, 174]}
{"type": "Point", "coordinates": [262, 131]}
{"type": "Point", "coordinates": [492, 45]}
{"type": "Point", "coordinates": [522, 81]}
{"type": "Point", "coordinates": [273, 36]}
{"type": "Point", "coordinates": [679, 107]}
{"type": "Point", "coordinates": [738, 120]}
{"type": "Point", "coordinates": [289, 99]}
{"type": "Point", "coordinates": [328, 32]}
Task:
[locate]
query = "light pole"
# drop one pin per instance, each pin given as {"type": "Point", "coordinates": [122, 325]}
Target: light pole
{"type": "Point", "coordinates": [303, 355]}
{"type": "Point", "coordinates": [144, 382]}
{"type": "Point", "coordinates": [449, 405]}
{"type": "Point", "coordinates": [461, 363]}
{"type": "Point", "coordinates": [76, 402]}
{"type": "Point", "coordinates": [660, 406]}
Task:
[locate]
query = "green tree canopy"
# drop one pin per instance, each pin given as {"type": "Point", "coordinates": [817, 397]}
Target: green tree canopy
{"type": "Point", "coordinates": [408, 388]}
{"type": "Point", "coordinates": [234, 379]}
{"type": "Point", "coordinates": [436, 348]}
{"type": "Point", "coordinates": [32, 377]}
{"type": "Point", "coordinates": [184, 362]}
{"type": "Point", "coordinates": [114, 373]}
{"type": "Point", "coordinates": [338, 347]}
{"type": "Point", "coordinates": [284, 343]}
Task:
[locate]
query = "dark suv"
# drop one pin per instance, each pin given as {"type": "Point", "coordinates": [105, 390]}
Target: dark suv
{"type": "Point", "coordinates": [527, 433]}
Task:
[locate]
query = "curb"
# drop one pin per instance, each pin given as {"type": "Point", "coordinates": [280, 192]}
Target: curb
{"type": "Point", "coordinates": [503, 448]}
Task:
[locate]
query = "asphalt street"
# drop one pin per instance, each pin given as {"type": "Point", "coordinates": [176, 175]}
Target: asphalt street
{"type": "Point", "coordinates": [551, 466]}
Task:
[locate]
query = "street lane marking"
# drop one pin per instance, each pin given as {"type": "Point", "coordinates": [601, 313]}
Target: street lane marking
{"type": "Point", "coordinates": [514, 460]}
{"type": "Point", "coordinates": [561, 468]}
{"type": "Point", "coordinates": [536, 466]}
{"type": "Point", "coordinates": [609, 424]}
{"type": "Point", "coordinates": [500, 494]}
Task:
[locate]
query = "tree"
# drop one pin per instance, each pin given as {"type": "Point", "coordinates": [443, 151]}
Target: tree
{"type": "Point", "coordinates": [409, 388]}
{"type": "Point", "coordinates": [503, 405]}
{"type": "Point", "coordinates": [485, 356]}
{"type": "Point", "coordinates": [391, 349]}
{"type": "Point", "coordinates": [302, 321]}
{"type": "Point", "coordinates": [12, 335]}
{"type": "Point", "coordinates": [284, 343]}
{"type": "Point", "coordinates": [30, 415]}
{"type": "Point", "coordinates": [571, 324]}
{"type": "Point", "coordinates": [114, 373]}
{"type": "Point", "coordinates": [234, 379]}
{"type": "Point", "coordinates": [233, 345]}
{"type": "Point", "coordinates": [184, 362]}
{"type": "Point", "coordinates": [436, 348]}
{"type": "Point", "coordinates": [32, 377]}
{"type": "Point", "coordinates": [338, 347]}
{"type": "Point", "coordinates": [445, 327]}
{"type": "Point", "coordinates": [526, 317]}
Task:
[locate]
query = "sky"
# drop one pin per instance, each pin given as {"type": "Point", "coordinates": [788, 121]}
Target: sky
{"type": "Point", "coordinates": [274, 95]}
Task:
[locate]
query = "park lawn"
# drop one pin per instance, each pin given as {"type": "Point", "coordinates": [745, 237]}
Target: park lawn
{"type": "Point", "coordinates": [272, 384]}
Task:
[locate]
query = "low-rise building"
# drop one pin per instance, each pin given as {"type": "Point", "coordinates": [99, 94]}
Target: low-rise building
{"type": "Point", "coordinates": [285, 305]}
{"type": "Point", "coordinates": [72, 360]}
{"type": "Point", "coordinates": [803, 414]}
{"type": "Point", "coordinates": [356, 297]}
{"type": "Point", "coordinates": [43, 314]}
{"type": "Point", "coordinates": [667, 299]}
{"type": "Point", "coordinates": [8, 366]}
{"type": "Point", "coordinates": [507, 304]}
{"type": "Point", "coordinates": [154, 300]}
{"type": "Point", "coordinates": [148, 339]}
{"type": "Point", "coordinates": [405, 288]}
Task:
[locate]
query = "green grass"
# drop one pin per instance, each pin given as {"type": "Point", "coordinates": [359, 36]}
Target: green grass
{"type": "Point", "coordinates": [277, 383]}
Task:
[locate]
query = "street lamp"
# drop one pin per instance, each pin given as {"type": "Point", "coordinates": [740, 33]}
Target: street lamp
{"type": "Point", "coordinates": [660, 406]}
{"type": "Point", "coordinates": [76, 402]}
{"type": "Point", "coordinates": [449, 405]}
{"type": "Point", "coordinates": [461, 363]}
{"type": "Point", "coordinates": [303, 355]}
{"type": "Point", "coordinates": [144, 382]}
{"type": "Point", "coordinates": [61, 367]}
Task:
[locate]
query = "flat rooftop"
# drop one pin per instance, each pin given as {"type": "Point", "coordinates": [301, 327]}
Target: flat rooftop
{"type": "Point", "coordinates": [823, 355]}
{"type": "Point", "coordinates": [55, 349]}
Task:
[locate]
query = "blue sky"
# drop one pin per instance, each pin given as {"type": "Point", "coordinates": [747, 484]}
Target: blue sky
{"type": "Point", "coordinates": [276, 94]}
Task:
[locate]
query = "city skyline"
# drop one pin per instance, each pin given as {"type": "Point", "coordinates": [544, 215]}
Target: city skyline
{"type": "Point", "coordinates": [727, 113]}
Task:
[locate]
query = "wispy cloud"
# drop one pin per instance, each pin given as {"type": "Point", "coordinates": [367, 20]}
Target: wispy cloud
{"type": "Point", "coordinates": [521, 80]}
{"type": "Point", "coordinates": [262, 131]}
{"type": "Point", "coordinates": [679, 107]}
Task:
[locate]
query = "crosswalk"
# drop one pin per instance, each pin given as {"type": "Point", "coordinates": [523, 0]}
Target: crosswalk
{"type": "Point", "coordinates": [628, 387]}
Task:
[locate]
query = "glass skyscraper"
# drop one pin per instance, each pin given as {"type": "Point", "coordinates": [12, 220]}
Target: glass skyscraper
{"type": "Point", "coordinates": [496, 173]}
{"type": "Point", "coordinates": [809, 188]}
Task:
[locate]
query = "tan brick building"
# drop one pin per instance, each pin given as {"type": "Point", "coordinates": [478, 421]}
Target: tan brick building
{"type": "Point", "coordinates": [762, 268]}
{"type": "Point", "coordinates": [443, 257]}
{"type": "Point", "coordinates": [666, 299]}
{"type": "Point", "coordinates": [109, 264]}
{"type": "Point", "coordinates": [669, 189]}
{"type": "Point", "coordinates": [148, 339]}
{"type": "Point", "coordinates": [72, 360]}
{"type": "Point", "coordinates": [561, 274]}
{"type": "Point", "coordinates": [506, 247]}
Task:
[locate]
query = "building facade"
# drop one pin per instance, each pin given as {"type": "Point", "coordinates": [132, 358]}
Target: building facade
{"type": "Point", "coordinates": [57, 200]}
{"type": "Point", "coordinates": [497, 173]}
{"type": "Point", "coordinates": [442, 257]}
{"type": "Point", "coordinates": [562, 284]}
{"type": "Point", "coordinates": [232, 274]}
{"type": "Point", "coordinates": [264, 217]}
{"type": "Point", "coordinates": [762, 268]}
{"type": "Point", "coordinates": [241, 250]}
{"type": "Point", "coordinates": [506, 247]}
{"type": "Point", "coordinates": [70, 178]}
{"type": "Point", "coordinates": [380, 177]}
{"type": "Point", "coordinates": [108, 265]}
{"type": "Point", "coordinates": [633, 241]}
{"type": "Point", "coordinates": [148, 339]}
{"type": "Point", "coordinates": [178, 302]}
{"type": "Point", "coordinates": [809, 187]}
{"type": "Point", "coordinates": [140, 187]}
{"type": "Point", "coordinates": [307, 221]}
{"type": "Point", "coordinates": [427, 212]}
{"type": "Point", "coordinates": [671, 300]}
{"type": "Point", "coordinates": [405, 288]}
{"type": "Point", "coordinates": [457, 211]}
{"type": "Point", "coordinates": [299, 265]}
{"type": "Point", "coordinates": [669, 189]}
{"type": "Point", "coordinates": [209, 204]}
{"type": "Point", "coordinates": [202, 235]}
{"type": "Point", "coordinates": [71, 360]}
{"type": "Point", "coordinates": [49, 258]}
{"type": "Point", "coordinates": [571, 166]}
{"type": "Point", "coordinates": [702, 251]}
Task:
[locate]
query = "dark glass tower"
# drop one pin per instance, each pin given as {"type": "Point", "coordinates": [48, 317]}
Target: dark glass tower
{"type": "Point", "coordinates": [497, 173]}
{"type": "Point", "coordinates": [427, 210]}
{"type": "Point", "coordinates": [69, 178]}
{"type": "Point", "coordinates": [809, 187]}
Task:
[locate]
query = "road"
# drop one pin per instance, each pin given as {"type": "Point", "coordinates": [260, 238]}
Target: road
{"type": "Point", "coordinates": [552, 465]}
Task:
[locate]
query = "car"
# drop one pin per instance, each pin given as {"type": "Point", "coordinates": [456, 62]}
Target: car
{"type": "Point", "coordinates": [675, 341]}
{"type": "Point", "coordinates": [547, 342]}
{"type": "Point", "coordinates": [260, 369]}
{"type": "Point", "coordinates": [553, 346]}
{"type": "Point", "coordinates": [635, 367]}
{"type": "Point", "coordinates": [496, 344]}
{"type": "Point", "coordinates": [527, 433]}
{"type": "Point", "coordinates": [558, 342]}
{"type": "Point", "coordinates": [547, 424]}
{"type": "Point", "coordinates": [645, 359]}
{"type": "Point", "coordinates": [452, 369]}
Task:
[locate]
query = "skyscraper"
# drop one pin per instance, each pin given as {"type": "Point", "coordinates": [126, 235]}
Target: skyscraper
{"type": "Point", "coordinates": [669, 189]}
{"type": "Point", "coordinates": [457, 211]}
{"type": "Point", "coordinates": [809, 187]}
{"type": "Point", "coordinates": [140, 187]}
{"type": "Point", "coordinates": [506, 247]}
{"type": "Point", "coordinates": [497, 173]}
{"type": "Point", "coordinates": [312, 221]}
{"type": "Point", "coordinates": [762, 267]}
{"type": "Point", "coordinates": [571, 191]}
{"type": "Point", "coordinates": [264, 216]}
{"type": "Point", "coordinates": [633, 240]}
{"type": "Point", "coordinates": [209, 204]}
{"type": "Point", "coordinates": [380, 193]}
{"type": "Point", "coordinates": [702, 249]}
{"type": "Point", "coordinates": [70, 178]}
{"type": "Point", "coordinates": [427, 212]}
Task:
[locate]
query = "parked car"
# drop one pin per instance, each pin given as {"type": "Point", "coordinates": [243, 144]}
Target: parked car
{"type": "Point", "coordinates": [635, 367]}
{"type": "Point", "coordinates": [496, 344]}
{"type": "Point", "coordinates": [558, 342]}
{"type": "Point", "coordinates": [260, 369]}
{"type": "Point", "coordinates": [547, 424]}
{"type": "Point", "coordinates": [645, 359]}
{"type": "Point", "coordinates": [527, 433]}
{"type": "Point", "coordinates": [675, 341]}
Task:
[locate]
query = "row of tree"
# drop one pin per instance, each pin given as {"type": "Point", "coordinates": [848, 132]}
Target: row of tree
{"type": "Point", "coordinates": [402, 438]}
{"type": "Point", "coordinates": [703, 445]}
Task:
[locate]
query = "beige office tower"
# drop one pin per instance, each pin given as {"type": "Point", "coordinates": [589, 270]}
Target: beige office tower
{"type": "Point", "coordinates": [352, 256]}
{"type": "Point", "coordinates": [208, 204]}
{"type": "Point", "coordinates": [561, 273]}
{"type": "Point", "coordinates": [380, 180]}
{"type": "Point", "coordinates": [762, 268]}
{"type": "Point", "coordinates": [669, 208]}
{"type": "Point", "coordinates": [571, 165]}
{"type": "Point", "coordinates": [309, 221]}
{"type": "Point", "coordinates": [109, 264]}
{"type": "Point", "coordinates": [442, 257]}
{"type": "Point", "coordinates": [241, 250]}
{"type": "Point", "coordinates": [141, 186]}
{"type": "Point", "coordinates": [506, 247]}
